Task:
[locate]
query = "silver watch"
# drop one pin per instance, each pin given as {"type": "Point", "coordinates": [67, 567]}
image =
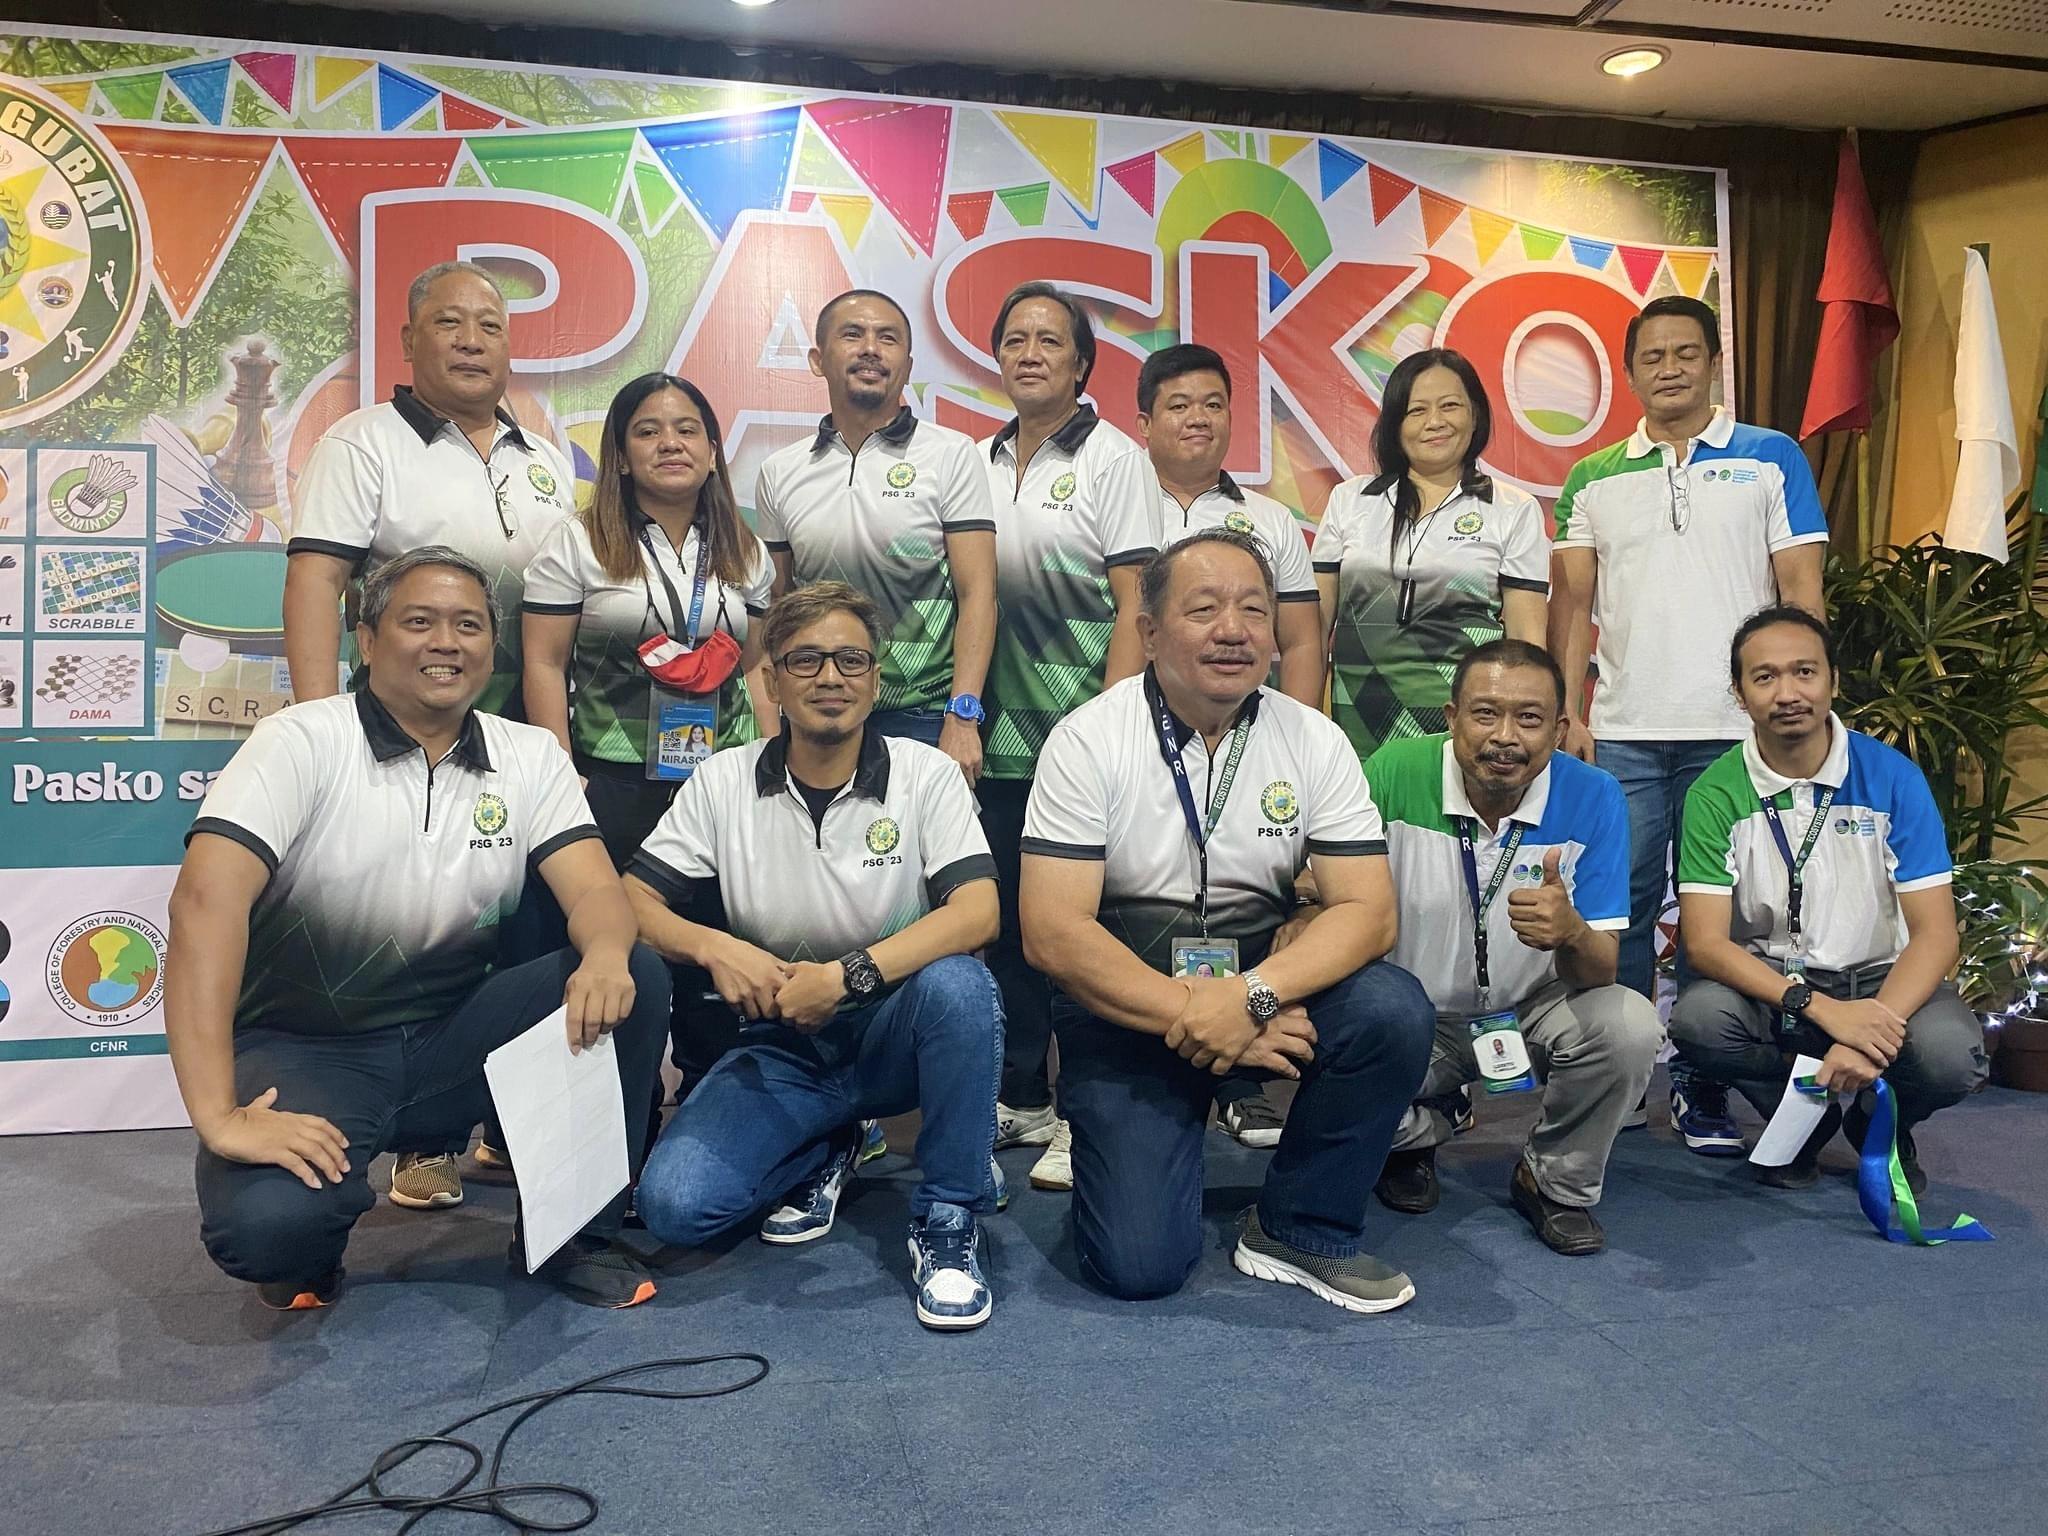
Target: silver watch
{"type": "Point", "coordinates": [1260, 1000]}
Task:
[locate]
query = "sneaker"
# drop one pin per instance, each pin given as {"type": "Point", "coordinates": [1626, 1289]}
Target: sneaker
{"type": "Point", "coordinates": [426, 1182]}
{"type": "Point", "coordinates": [1856, 1125]}
{"type": "Point", "coordinates": [1025, 1127]}
{"type": "Point", "coordinates": [1571, 1230]}
{"type": "Point", "coordinates": [1699, 1113]}
{"type": "Point", "coordinates": [492, 1159]}
{"type": "Point", "coordinates": [1462, 1117]}
{"type": "Point", "coordinates": [1408, 1183]}
{"type": "Point", "coordinates": [995, 1172]}
{"type": "Point", "coordinates": [293, 1296]}
{"type": "Point", "coordinates": [597, 1271]}
{"type": "Point", "coordinates": [1638, 1117]}
{"type": "Point", "coordinates": [1253, 1121]}
{"type": "Point", "coordinates": [873, 1143]}
{"type": "Point", "coordinates": [808, 1211]}
{"type": "Point", "coordinates": [945, 1263]}
{"type": "Point", "coordinates": [1360, 1283]}
{"type": "Point", "coordinates": [1803, 1172]}
{"type": "Point", "coordinates": [1055, 1170]}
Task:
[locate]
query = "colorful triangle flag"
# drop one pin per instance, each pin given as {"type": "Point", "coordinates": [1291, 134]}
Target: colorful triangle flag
{"type": "Point", "coordinates": [134, 96]}
{"type": "Point", "coordinates": [655, 193]}
{"type": "Point", "coordinates": [801, 202]}
{"type": "Point", "coordinates": [204, 86]}
{"type": "Point", "coordinates": [1184, 154]}
{"type": "Point", "coordinates": [1591, 253]}
{"type": "Point", "coordinates": [1439, 213]}
{"type": "Point", "coordinates": [333, 76]}
{"type": "Point", "coordinates": [400, 98]}
{"type": "Point", "coordinates": [1283, 147]}
{"type": "Point", "coordinates": [969, 212]}
{"type": "Point", "coordinates": [1489, 230]}
{"type": "Point", "coordinates": [338, 173]}
{"type": "Point", "coordinates": [585, 165]}
{"type": "Point", "coordinates": [1689, 270]}
{"type": "Point", "coordinates": [1063, 144]}
{"type": "Point", "coordinates": [1335, 165]}
{"type": "Point", "coordinates": [1540, 244]}
{"type": "Point", "coordinates": [462, 116]}
{"type": "Point", "coordinates": [726, 165]}
{"type": "Point", "coordinates": [196, 187]}
{"type": "Point", "coordinates": [275, 74]}
{"type": "Point", "coordinates": [74, 92]}
{"type": "Point", "coordinates": [1640, 263]}
{"type": "Point", "coordinates": [850, 211]}
{"type": "Point", "coordinates": [898, 150]}
{"type": "Point", "coordinates": [1388, 191]}
{"type": "Point", "coordinates": [1138, 176]}
{"type": "Point", "coordinates": [1231, 139]}
{"type": "Point", "coordinates": [1027, 204]}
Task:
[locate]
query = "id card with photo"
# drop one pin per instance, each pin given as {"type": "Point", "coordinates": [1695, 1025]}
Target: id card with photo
{"type": "Point", "coordinates": [1501, 1053]}
{"type": "Point", "coordinates": [682, 733]}
{"type": "Point", "coordinates": [1204, 957]}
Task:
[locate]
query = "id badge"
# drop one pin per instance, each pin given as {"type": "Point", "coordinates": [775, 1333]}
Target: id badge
{"type": "Point", "coordinates": [1204, 958]}
{"type": "Point", "coordinates": [1502, 1054]}
{"type": "Point", "coordinates": [682, 733]}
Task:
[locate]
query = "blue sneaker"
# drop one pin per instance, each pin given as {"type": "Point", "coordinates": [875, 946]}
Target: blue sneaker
{"type": "Point", "coordinates": [945, 1260]}
{"type": "Point", "coordinates": [1699, 1113]}
{"type": "Point", "coordinates": [807, 1212]}
{"type": "Point", "coordinates": [873, 1143]}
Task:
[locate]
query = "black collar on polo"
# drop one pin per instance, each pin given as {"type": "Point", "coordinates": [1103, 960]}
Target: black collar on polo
{"type": "Point", "coordinates": [388, 739]}
{"type": "Point", "coordinates": [428, 422]}
{"type": "Point", "coordinates": [1475, 485]}
{"type": "Point", "coordinates": [1072, 434]}
{"type": "Point", "coordinates": [870, 774]}
{"type": "Point", "coordinates": [1183, 733]}
{"type": "Point", "coordinates": [1228, 486]}
{"type": "Point", "coordinates": [896, 434]}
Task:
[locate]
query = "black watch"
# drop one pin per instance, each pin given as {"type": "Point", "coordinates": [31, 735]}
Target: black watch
{"type": "Point", "coordinates": [1794, 1003]}
{"type": "Point", "coordinates": [863, 976]}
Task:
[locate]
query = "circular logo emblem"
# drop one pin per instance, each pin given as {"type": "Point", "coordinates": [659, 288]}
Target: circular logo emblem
{"type": "Point", "coordinates": [490, 815]}
{"type": "Point", "coordinates": [901, 474]}
{"type": "Point", "coordinates": [6, 1002]}
{"type": "Point", "coordinates": [73, 254]}
{"type": "Point", "coordinates": [537, 475]}
{"type": "Point", "coordinates": [6, 941]}
{"type": "Point", "coordinates": [884, 835]}
{"type": "Point", "coordinates": [1843, 826]}
{"type": "Point", "coordinates": [1237, 522]}
{"type": "Point", "coordinates": [1469, 521]}
{"type": "Point", "coordinates": [1278, 802]}
{"type": "Point", "coordinates": [92, 497]}
{"type": "Point", "coordinates": [1063, 488]}
{"type": "Point", "coordinates": [107, 970]}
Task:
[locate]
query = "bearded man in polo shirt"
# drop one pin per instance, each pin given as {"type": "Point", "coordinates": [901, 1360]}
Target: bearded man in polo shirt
{"type": "Point", "coordinates": [856, 885]}
{"type": "Point", "coordinates": [328, 993]}
{"type": "Point", "coordinates": [1168, 823]}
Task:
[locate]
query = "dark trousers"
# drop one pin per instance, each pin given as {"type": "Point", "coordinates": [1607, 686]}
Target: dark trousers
{"type": "Point", "coordinates": [1027, 996]}
{"type": "Point", "coordinates": [408, 1088]}
{"type": "Point", "coordinates": [1139, 1112]}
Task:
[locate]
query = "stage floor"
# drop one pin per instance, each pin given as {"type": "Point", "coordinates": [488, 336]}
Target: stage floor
{"type": "Point", "coordinates": [1738, 1360]}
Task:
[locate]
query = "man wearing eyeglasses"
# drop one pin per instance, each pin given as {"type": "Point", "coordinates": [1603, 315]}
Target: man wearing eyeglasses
{"type": "Point", "coordinates": [1667, 541]}
{"type": "Point", "coordinates": [856, 885]}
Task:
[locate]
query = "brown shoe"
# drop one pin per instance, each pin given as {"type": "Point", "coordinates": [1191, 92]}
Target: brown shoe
{"type": "Point", "coordinates": [1570, 1230]}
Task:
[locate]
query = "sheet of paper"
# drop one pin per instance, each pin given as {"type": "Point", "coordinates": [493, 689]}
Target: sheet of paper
{"type": "Point", "coordinates": [1798, 1113]}
{"type": "Point", "coordinates": [565, 1125]}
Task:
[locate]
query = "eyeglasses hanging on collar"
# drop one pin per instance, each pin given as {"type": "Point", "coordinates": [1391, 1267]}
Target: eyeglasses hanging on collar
{"type": "Point", "coordinates": [1676, 477]}
{"type": "Point", "coordinates": [498, 487]}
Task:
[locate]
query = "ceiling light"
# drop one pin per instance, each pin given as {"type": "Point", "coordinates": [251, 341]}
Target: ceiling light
{"type": "Point", "coordinates": [1630, 62]}
{"type": "Point", "coordinates": [751, 4]}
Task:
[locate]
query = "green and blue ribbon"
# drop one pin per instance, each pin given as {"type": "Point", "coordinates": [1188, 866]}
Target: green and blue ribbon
{"type": "Point", "coordinates": [1881, 1186]}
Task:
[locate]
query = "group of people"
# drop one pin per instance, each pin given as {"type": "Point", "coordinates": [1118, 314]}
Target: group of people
{"type": "Point", "coordinates": [964, 749]}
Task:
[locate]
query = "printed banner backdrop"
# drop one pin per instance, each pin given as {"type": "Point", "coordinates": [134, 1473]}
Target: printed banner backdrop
{"type": "Point", "coordinates": [206, 251]}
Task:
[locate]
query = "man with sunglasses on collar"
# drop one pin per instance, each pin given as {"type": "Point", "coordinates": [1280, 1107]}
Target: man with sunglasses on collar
{"type": "Point", "coordinates": [856, 886]}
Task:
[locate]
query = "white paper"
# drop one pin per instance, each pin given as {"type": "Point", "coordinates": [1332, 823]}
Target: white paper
{"type": "Point", "coordinates": [564, 1118]}
{"type": "Point", "coordinates": [1798, 1113]}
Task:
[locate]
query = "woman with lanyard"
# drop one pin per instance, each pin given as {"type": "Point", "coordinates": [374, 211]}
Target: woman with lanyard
{"type": "Point", "coordinates": [1425, 560]}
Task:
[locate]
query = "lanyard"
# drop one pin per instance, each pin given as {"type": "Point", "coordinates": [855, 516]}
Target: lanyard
{"type": "Point", "coordinates": [1467, 852]}
{"type": "Point", "coordinates": [1419, 527]}
{"type": "Point", "coordinates": [1795, 868]}
{"type": "Point", "coordinates": [1200, 829]}
{"type": "Point", "coordinates": [688, 638]}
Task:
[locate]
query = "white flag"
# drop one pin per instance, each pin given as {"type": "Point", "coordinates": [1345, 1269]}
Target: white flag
{"type": "Point", "coordinates": [1988, 471]}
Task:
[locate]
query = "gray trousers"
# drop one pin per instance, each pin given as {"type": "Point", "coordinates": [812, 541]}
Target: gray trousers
{"type": "Point", "coordinates": [1593, 1049]}
{"type": "Point", "coordinates": [1732, 1039]}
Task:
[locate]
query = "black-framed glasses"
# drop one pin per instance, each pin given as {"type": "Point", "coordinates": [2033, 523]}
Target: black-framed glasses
{"type": "Point", "coordinates": [809, 661]}
{"type": "Point", "coordinates": [498, 487]}
{"type": "Point", "coordinates": [1681, 499]}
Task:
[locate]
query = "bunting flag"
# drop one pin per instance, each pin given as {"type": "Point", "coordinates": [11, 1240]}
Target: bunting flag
{"type": "Point", "coordinates": [1138, 176]}
{"type": "Point", "coordinates": [1489, 232]}
{"type": "Point", "coordinates": [338, 173]}
{"type": "Point", "coordinates": [468, 116]}
{"type": "Point", "coordinates": [1640, 263]}
{"type": "Point", "coordinates": [1689, 270]}
{"type": "Point", "coordinates": [1388, 191]}
{"type": "Point", "coordinates": [1094, 223]}
{"type": "Point", "coordinates": [654, 194]}
{"type": "Point", "coordinates": [850, 211]}
{"type": "Point", "coordinates": [204, 87]}
{"type": "Point", "coordinates": [210, 180]}
{"type": "Point", "coordinates": [1184, 154]}
{"type": "Point", "coordinates": [1335, 166]}
{"type": "Point", "coordinates": [1283, 147]}
{"type": "Point", "coordinates": [1027, 204]}
{"type": "Point", "coordinates": [400, 98]}
{"type": "Point", "coordinates": [1231, 139]}
{"type": "Point", "coordinates": [585, 165]}
{"type": "Point", "coordinates": [898, 150]}
{"type": "Point", "coordinates": [74, 92]}
{"type": "Point", "coordinates": [1592, 253]}
{"type": "Point", "coordinates": [276, 75]}
{"type": "Point", "coordinates": [801, 202]}
{"type": "Point", "coordinates": [134, 96]}
{"type": "Point", "coordinates": [1064, 145]}
{"type": "Point", "coordinates": [969, 212]}
{"type": "Point", "coordinates": [333, 76]}
{"type": "Point", "coordinates": [1439, 213]}
{"type": "Point", "coordinates": [726, 165]}
{"type": "Point", "coordinates": [1540, 244]}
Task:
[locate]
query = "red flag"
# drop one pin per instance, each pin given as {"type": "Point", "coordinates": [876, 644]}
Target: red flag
{"type": "Point", "coordinates": [1859, 319]}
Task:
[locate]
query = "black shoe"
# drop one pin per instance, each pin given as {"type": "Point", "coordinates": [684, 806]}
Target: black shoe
{"type": "Point", "coordinates": [598, 1272]}
{"type": "Point", "coordinates": [295, 1296]}
{"type": "Point", "coordinates": [1570, 1230]}
{"type": "Point", "coordinates": [1803, 1172]}
{"type": "Point", "coordinates": [1408, 1183]}
{"type": "Point", "coordinates": [1856, 1125]}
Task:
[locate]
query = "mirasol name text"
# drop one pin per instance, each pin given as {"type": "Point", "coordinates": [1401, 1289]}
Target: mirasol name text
{"type": "Point", "coordinates": [109, 781]}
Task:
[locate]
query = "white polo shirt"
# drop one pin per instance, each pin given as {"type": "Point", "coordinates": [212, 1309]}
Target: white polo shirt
{"type": "Point", "coordinates": [1104, 792]}
{"type": "Point", "coordinates": [1088, 502]}
{"type": "Point", "coordinates": [896, 840]}
{"type": "Point", "coordinates": [393, 477]}
{"type": "Point", "coordinates": [1229, 505]}
{"type": "Point", "coordinates": [609, 689]}
{"type": "Point", "coordinates": [1883, 836]}
{"type": "Point", "coordinates": [1389, 680]}
{"type": "Point", "coordinates": [878, 520]}
{"type": "Point", "coordinates": [388, 874]}
{"type": "Point", "coordinates": [1669, 598]}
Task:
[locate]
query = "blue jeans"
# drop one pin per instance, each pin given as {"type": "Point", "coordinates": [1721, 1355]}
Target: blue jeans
{"type": "Point", "coordinates": [1655, 776]}
{"type": "Point", "coordinates": [1139, 1112]}
{"type": "Point", "coordinates": [915, 724]}
{"type": "Point", "coordinates": [765, 1118]}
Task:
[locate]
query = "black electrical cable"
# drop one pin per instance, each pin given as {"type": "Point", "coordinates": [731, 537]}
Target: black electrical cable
{"type": "Point", "coordinates": [490, 1497]}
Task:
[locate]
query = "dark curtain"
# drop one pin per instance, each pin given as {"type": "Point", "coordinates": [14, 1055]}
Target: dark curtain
{"type": "Point", "coordinates": [1780, 181]}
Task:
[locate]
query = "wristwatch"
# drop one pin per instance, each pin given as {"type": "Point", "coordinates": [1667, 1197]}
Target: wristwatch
{"type": "Point", "coordinates": [1795, 1000]}
{"type": "Point", "coordinates": [967, 707]}
{"type": "Point", "coordinates": [863, 976]}
{"type": "Point", "coordinates": [1260, 1000]}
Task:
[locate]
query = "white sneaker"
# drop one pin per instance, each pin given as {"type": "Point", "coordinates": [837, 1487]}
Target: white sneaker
{"type": "Point", "coordinates": [1024, 1127]}
{"type": "Point", "coordinates": [1055, 1170]}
